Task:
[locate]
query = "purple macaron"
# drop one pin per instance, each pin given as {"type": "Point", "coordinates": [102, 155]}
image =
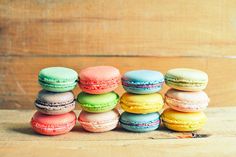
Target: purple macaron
{"type": "Point", "coordinates": [52, 103]}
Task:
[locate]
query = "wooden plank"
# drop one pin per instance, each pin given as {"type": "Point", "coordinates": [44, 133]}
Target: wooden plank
{"type": "Point", "coordinates": [16, 137]}
{"type": "Point", "coordinates": [134, 27]}
{"type": "Point", "coordinates": [19, 87]}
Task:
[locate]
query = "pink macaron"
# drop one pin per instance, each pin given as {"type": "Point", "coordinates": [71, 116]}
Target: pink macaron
{"type": "Point", "coordinates": [53, 125]}
{"type": "Point", "coordinates": [99, 79]}
{"type": "Point", "coordinates": [186, 101]}
{"type": "Point", "coordinates": [99, 122]}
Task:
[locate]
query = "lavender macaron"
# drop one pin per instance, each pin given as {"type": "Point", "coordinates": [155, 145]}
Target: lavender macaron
{"type": "Point", "coordinates": [52, 103]}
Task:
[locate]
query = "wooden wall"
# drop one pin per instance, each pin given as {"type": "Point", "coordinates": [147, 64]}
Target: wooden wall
{"type": "Point", "coordinates": [128, 34]}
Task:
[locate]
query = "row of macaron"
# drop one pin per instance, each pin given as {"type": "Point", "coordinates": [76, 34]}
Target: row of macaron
{"type": "Point", "coordinates": [97, 80]}
{"type": "Point", "coordinates": [103, 79]}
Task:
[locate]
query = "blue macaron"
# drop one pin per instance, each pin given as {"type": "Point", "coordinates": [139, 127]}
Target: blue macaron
{"type": "Point", "coordinates": [143, 81]}
{"type": "Point", "coordinates": [140, 122]}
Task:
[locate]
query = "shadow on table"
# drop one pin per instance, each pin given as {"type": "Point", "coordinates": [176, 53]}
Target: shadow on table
{"type": "Point", "coordinates": [23, 128]}
{"type": "Point", "coordinates": [79, 128]}
{"type": "Point", "coordinates": [160, 133]}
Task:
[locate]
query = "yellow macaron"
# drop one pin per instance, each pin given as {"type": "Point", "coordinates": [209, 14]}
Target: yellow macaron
{"type": "Point", "coordinates": [141, 104]}
{"type": "Point", "coordinates": [180, 121]}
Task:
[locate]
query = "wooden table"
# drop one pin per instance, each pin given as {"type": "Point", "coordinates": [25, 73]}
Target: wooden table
{"type": "Point", "coordinates": [218, 138]}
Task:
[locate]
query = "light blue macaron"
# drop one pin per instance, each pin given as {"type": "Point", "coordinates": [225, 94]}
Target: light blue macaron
{"type": "Point", "coordinates": [140, 122]}
{"type": "Point", "coordinates": [143, 81]}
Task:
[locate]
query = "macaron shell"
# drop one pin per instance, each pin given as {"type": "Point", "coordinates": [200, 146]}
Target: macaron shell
{"type": "Point", "coordinates": [139, 122]}
{"type": "Point", "coordinates": [180, 121]}
{"type": "Point", "coordinates": [185, 74]}
{"type": "Point", "coordinates": [99, 73]}
{"type": "Point", "coordinates": [54, 97]}
{"type": "Point", "coordinates": [143, 77]}
{"type": "Point", "coordinates": [187, 86]}
{"type": "Point", "coordinates": [53, 125]}
{"type": "Point", "coordinates": [179, 127]}
{"type": "Point", "coordinates": [58, 74]}
{"type": "Point", "coordinates": [142, 81]}
{"type": "Point", "coordinates": [98, 103]}
{"type": "Point", "coordinates": [142, 104]}
{"type": "Point", "coordinates": [146, 90]}
{"type": "Point", "coordinates": [186, 101]}
{"type": "Point", "coordinates": [99, 122]}
{"type": "Point", "coordinates": [58, 79]}
{"type": "Point", "coordinates": [99, 79]}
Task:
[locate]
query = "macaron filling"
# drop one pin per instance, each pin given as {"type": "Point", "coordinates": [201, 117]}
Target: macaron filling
{"type": "Point", "coordinates": [47, 127]}
{"type": "Point", "coordinates": [140, 107]}
{"type": "Point", "coordinates": [142, 85]}
{"type": "Point", "coordinates": [185, 83]}
{"type": "Point", "coordinates": [102, 84]}
{"type": "Point", "coordinates": [54, 106]}
{"type": "Point", "coordinates": [141, 124]}
{"type": "Point", "coordinates": [100, 124]}
{"type": "Point", "coordinates": [186, 105]}
{"type": "Point", "coordinates": [100, 107]}
{"type": "Point", "coordinates": [44, 79]}
{"type": "Point", "coordinates": [184, 127]}
{"type": "Point", "coordinates": [58, 84]}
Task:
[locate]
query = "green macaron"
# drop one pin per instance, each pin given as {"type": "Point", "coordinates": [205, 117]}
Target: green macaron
{"type": "Point", "coordinates": [58, 79]}
{"type": "Point", "coordinates": [98, 102]}
{"type": "Point", "coordinates": [186, 79]}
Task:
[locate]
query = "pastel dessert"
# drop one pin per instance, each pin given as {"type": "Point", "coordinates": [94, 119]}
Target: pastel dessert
{"type": "Point", "coordinates": [99, 79]}
{"type": "Point", "coordinates": [53, 103]}
{"type": "Point", "coordinates": [182, 121]}
{"type": "Point", "coordinates": [98, 102]}
{"type": "Point", "coordinates": [99, 122]}
{"type": "Point", "coordinates": [142, 81]}
{"type": "Point", "coordinates": [186, 101]}
{"type": "Point", "coordinates": [53, 125]}
{"type": "Point", "coordinates": [140, 122]}
{"type": "Point", "coordinates": [186, 79]}
{"type": "Point", "coordinates": [58, 79]}
{"type": "Point", "coordinates": [141, 104]}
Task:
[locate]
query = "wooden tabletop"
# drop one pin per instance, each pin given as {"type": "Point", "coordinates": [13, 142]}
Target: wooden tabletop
{"type": "Point", "coordinates": [218, 138]}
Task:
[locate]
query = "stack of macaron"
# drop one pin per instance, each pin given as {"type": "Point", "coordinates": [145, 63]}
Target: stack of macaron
{"type": "Point", "coordinates": [55, 101]}
{"type": "Point", "coordinates": [186, 99]}
{"type": "Point", "coordinates": [141, 102]}
{"type": "Point", "coordinates": [98, 99]}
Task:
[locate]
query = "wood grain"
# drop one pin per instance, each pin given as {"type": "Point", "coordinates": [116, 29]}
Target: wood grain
{"type": "Point", "coordinates": [36, 33]}
{"type": "Point", "coordinates": [16, 137]}
{"type": "Point", "coordinates": [104, 27]}
{"type": "Point", "coordinates": [19, 87]}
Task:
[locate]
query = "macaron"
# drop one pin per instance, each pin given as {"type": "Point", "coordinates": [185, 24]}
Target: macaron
{"type": "Point", "coordinates": [58, 79]}
{"type": "Point", "coordinates": [98, 102]}
{"type": "Point", "coordinates": [53, 125]}
{"type": "Point", "coordinates": [99, 79]}
{"type": "Point", "coordinates": [99, 122]}
{"type": "Point", "coordinates": [53, 103]}
{"type": "Point", "coordinates": [140, 122]}
{"type": "Point", "coordinates": [142, 81]}
{"type": "Point", "coordinates": [186, 101]}
{"type": "Point", "coordinates": [186, 79]}
{"type": "Point", "coordinates": [182, 121]}
{"type": "Point", "coordinates": [141, 104]}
